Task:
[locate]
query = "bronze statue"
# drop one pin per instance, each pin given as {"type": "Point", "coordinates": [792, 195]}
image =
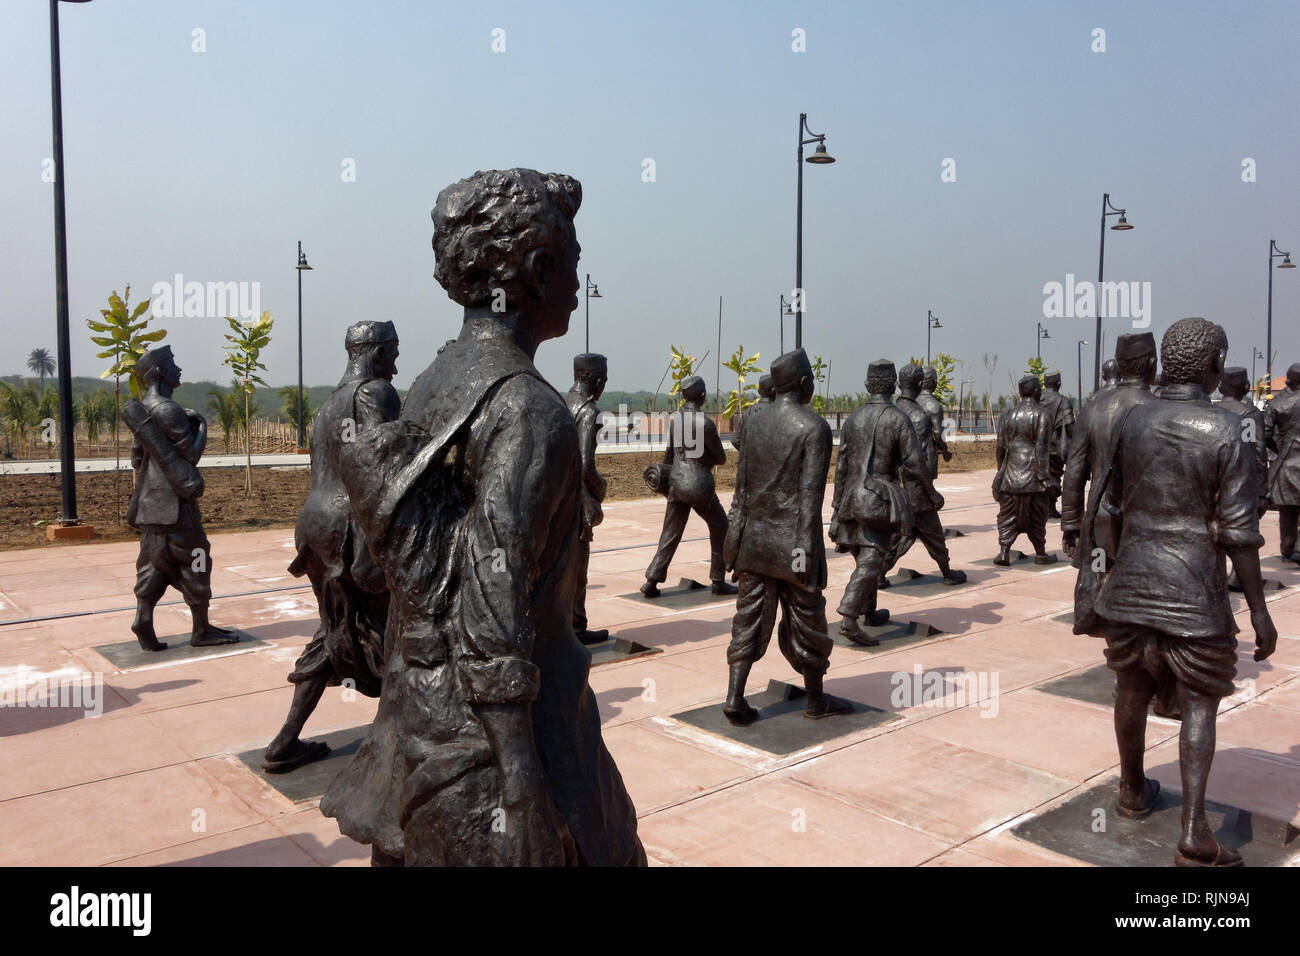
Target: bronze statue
{"type": "Point", "coordinates": [925, 516]}
{"type": "Point", "coordinates": [351, 594]}
{"type": "Point", "coordinates": [1024, 474]}
{"type": "Point", "coordinates": [1062, 430]}
{"type": "Point", "coordinates": [164, 505]}
{"type": "Point", "coordinates": [1282, 427]}
{"type": "Point", "coordinates": [871, 515]}
{"type": "Point", "coordinates": [935, 409]}
{"type": "Point", "coordinates": [1135, 358]}
{"type": "Point", "coordinates": [764, 399]}
{"type": "Point", "coordinates": [1109, 373]}
{"type": "Point", "coordinates": [774, 541]}
{"type": "Point", "coordinates": [1235, 385]}
{"type": "Point", "coordinates": [486, 748]}
{"type": "Point", "coordinates": [694, 450]}
{"type": "Point", "coordinates": [590, 373]}
{"type": "Point", "coordinates": [1183, 482]}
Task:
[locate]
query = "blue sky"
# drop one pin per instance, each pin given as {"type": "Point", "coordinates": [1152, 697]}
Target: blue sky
{"type": "Point", "coordinates": [214, 164]}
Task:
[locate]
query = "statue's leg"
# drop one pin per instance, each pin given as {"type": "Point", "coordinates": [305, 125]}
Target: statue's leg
{"type": "Point", "coordinates": [1134, 689]}
{"type": "Point", "coordinates": [584, 634]}
{"type": "Point", "coordinates": [860, 596]}
{"type": "Point", "coordinates": [1008, 507]}
{"type": "Point", "coordinates": [675, 515]}
{"type": "Point", "coordinates": [1288, 517]}
{"type": "Point", "coordinates": [751, 629]}
{"type": "Point", "coordinates": [194, 574]}
{"type": "Point", "coordinates": [1035, 507]}
{"type": "Point", "coordinates": [807, 645]}
{"type": "Point", "coordinates": [715, 516]}
{"type": "Point", "coordinates": [150, 583]}
{"type": "Point", "coordinates": [930, 530]}
{"type": "Point", "coordinates": [1195, 754]}
{"type": "Point", "coordinates": [287, 751]}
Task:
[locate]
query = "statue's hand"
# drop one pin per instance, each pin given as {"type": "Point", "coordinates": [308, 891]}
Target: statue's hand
{"type": "Point", "coordinates": [1069, 542]}
{"type": "Point", "coordinates": [947, 454]}
{"type": "Point", "coordinates": [1265, 633]}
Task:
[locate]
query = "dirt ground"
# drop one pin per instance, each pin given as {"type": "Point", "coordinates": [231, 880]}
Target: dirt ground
{"type": "Point", "coordinates": [29, 502]}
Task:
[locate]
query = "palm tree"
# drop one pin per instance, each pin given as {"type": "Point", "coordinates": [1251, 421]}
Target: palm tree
{"type": "Point", "coordinates": [95, 411]}
{"type": "Point", "coordinates": [228, 409]}
{"type": "Point", "coordinates": [18, 411]}
{"type": "Point", "coordinates": [39, 361]}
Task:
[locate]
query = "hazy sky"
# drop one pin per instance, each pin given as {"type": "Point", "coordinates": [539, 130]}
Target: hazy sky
{"type": "Point", "coordinates": [213, 164]}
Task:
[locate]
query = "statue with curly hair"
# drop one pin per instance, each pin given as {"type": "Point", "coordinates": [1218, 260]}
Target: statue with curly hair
{"type": "Point", "coordinates": [1183, 479]}
{"type": "Point", "coordinates": [486, 747]}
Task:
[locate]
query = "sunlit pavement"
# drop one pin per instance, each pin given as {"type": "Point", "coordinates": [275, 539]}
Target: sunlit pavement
{"type": "Point", "coordinates": [156, 778]}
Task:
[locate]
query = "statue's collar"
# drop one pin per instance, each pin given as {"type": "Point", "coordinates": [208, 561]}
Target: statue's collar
{"type": "Point", "coordinates": [1185, 392]}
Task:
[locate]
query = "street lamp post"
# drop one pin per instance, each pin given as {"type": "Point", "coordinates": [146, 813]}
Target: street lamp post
{"type": "Point", "coordinates": [931, 322]}
{"type": "Point", "coordinates": [67, 449]}
{"type": "Point", "coordinates": [1273, 253]}
{"type": "Point", "coordinates": [1078, 363]}
{"type": "Point", "coordinates": [301, 267]}
{"type": "Point", "coordinates": [820, 158]}
{"type": "Point", "coordinates": [1255, 353]}
{"type": "Point", "coordinates": [592, 293]}
{"type": "Point", "coordinates": [785, 309]}
{"type": "Point", "coordinates": [1042, 334]}
{"type": "Point", "coordinates": [1121, 226]}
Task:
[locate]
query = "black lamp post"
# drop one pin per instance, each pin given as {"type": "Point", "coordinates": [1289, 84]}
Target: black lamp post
{"type": "Point", "coordinates": [1255, 353]}
{"type": "Point", "coordinates": [820, 158]}
{"type": "Point", "coordinates": [1078, 363]}
{"type": "Point", "coordinates": [1042, 334]}
{"type": "Point", "coordinates": [1121, 226]}
{"type": "Point", "coordinates": [931, 322]}
{"type": "Point", "coordinates": [1286, 263]}
{"type": "Point", "coordinates": [784, 310]}
{"type": "Point", "coordinates": [301, 267]}
{"type": "Point", "coordinates": [67, 450]}
{"type": "Point", "coordinates": [592, 293]}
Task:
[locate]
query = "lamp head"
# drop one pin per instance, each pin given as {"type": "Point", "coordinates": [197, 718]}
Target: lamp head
{"type": "Point", "coordinates": [820, 157]}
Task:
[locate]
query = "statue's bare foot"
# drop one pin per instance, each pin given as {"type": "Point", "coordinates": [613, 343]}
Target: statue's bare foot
{"type": "Point", "coordinates": [1137, 806]}
{"type": "Point", "coordinates": [1045, 558]}
{"type": "Point", "coordinates": [144, 633]}
{"type": "Point", "coordinates": [282, 759]}
{"type": "Point", "coordinates": [851, 630]}
{"type": "Point", "coordinates": [212, 636]}
{"type": "Point", "coordinates": [955, 577]}
{"type": "Point", "coordinates": [593, 637]}
{"type": "Point", "coordinates": [878, 618]}
{"type": "Point", "coordinates": [740, 713]}
{"type": "Point", "coordinates": [826, 705]}
{"type": "Point", "coordinates": [1199, 848]}
{"type": "Point", "coordinates": [650, 589]}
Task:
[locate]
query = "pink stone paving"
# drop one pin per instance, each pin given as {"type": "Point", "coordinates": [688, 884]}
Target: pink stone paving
{"type": "Point", "coordinates": [156, 778]}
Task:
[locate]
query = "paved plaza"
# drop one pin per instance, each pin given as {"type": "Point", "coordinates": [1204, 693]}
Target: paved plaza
{"type": "Point", "coordinates": [985, 718]}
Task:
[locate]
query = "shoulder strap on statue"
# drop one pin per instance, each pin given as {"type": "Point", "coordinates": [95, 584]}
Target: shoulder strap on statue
{"type": "Point", "coordinates": [435, 451]}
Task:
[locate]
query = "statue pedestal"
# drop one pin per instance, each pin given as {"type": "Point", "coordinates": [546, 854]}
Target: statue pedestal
{"type": "Point", "coordinates": [129, 655]}
{"type": "Point", "coordinates": [310, 781]}
{"type": "Point", "coordinates": [619, 649]}
{"type": "Point", "coordinates": [1071, 829]}
{"type": "Point", "coordinates": [892, 635]}
{"type": "Point", "coordinates": [915, 584]}
{"type": "Point", "coordinates": [69, 532]}
{"type": "Point", "coordinates": [687, 593]}
{"type": "Point", "coordinates": [781, 727]}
